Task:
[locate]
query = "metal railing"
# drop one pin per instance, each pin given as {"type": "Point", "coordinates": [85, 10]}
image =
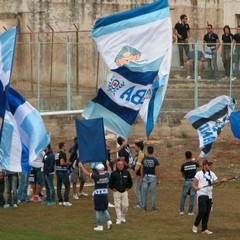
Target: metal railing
{"type": "Point", "coordinates": [64, 76]}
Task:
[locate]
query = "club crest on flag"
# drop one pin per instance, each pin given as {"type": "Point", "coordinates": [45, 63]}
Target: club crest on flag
{"type": "Point", "coordinates": [114, 84]}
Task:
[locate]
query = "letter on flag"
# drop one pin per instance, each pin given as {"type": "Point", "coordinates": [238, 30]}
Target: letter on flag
{"type": "Point", "coordinates": [209, 120]}
{"type": "Point", "coordinates": [91, 140]}
{"type": "Point", "coordinates": [136, 46]}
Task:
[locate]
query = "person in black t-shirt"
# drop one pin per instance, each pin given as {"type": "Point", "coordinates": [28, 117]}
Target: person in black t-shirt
{"type": "Point", "coordinates": [183, 33]}
{"type": "Point", "coordinates": [227, 38]}
{"type": "Point", "coordinates": [211, 44]}
{"type": "Point", "coordinates": [188, 170]}
{"type": "Point", "coordinates": [62, 175]}
{"type": "Point", "coordinates": [236, 41]}
{"type": "Point", "coordinates": [150, 175]}
{"type": "Point", "coordinates": [125, 154]}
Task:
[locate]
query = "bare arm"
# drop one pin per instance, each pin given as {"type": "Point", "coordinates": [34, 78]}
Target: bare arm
{"type": "Point", "coordinates": [84, 169]}
{"type": "Point", "coordinates": [195, 184]}
{"type": "Point", "coordinates": [112, 151]}
{"type": "Point", "coordinates": [157, 172]}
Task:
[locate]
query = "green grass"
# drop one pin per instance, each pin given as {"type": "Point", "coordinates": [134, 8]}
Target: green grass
{"type": "Point", "coordinates": [37, 221]}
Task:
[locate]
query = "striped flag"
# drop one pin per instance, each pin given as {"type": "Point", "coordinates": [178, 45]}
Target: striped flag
{"type": "Point", "coordinates": [7, 50]}
{"type": "Point", "coordinates": [23, 134]}
{"type": "Point", "coordinates": [136, 47]}
{"type": "Point", "coordinates": [209, 120]}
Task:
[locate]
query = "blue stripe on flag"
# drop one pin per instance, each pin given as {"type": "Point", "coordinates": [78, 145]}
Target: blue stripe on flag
{"type": "Point", "coordinates": [155, 103]}
{"type": "Point", "coordinates": [140, 16]}
{"type": "Point", "coordinates": [127, 114]}
{"type": "Point", "coordinates": [33, 127]}
{"type": "Point", "coordinates": [112, 121]}
{"type": "Point", "coordinates": [143, 78]}
{"type": "Point", "coordinates": [6, 145]}
{"type": "Point", "coordinates": [15, 100]}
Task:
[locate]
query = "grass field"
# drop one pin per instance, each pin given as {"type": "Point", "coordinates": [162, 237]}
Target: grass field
{"type": "Point", "coordinates": [37, 221]}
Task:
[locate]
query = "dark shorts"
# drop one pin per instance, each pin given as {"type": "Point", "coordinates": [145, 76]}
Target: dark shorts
{"type": "Point", "coordinates": [38, 176]}
{"type": "Point", "coordinates": [100, 202]}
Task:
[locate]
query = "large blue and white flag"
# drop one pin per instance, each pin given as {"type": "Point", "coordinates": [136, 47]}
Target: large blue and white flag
{"type": "Point", "coordinates": [136, 46]}
{"type": "Point", "coordinates": [7, 50]}
{"type": "Point", "coordinates": [23, 134]}
{"type": "Point", "coordinates": [210, 119]}
{"type": "Point", "coordinates": [91, 140]}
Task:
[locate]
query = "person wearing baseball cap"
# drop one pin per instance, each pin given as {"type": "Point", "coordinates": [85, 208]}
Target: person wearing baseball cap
{"type": "Point", "coordinates": [203, 183]}
{"type": "Point", "coordinates": [101, 179]}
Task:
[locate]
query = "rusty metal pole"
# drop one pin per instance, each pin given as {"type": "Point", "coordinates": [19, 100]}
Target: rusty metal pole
{"type": "Point", "coordinates": [51, 62]}
{"type": "Point", "coordinates": [77, 59]}
{"type": "Point", "coordinates": [31, 58]}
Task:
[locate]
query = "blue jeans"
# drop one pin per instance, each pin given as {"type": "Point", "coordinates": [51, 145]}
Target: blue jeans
{"type": "Point", "coordinates": [63, 178]}
{"type": "Point", "coordinates": [138, 190]}
{"type": "Point", "coordinates": [149, 182]}
{"type": "Point", "coordinates": [23, 186]}
{"type": "Point", "coordinates": [213, 67]}
{"type": "Point", "coordinates": [11, 185]}
{"type": "Point", "coordinates": [182, 45]}
{"type": "Point", "coordinates": [99, 216]}
{"type": "Point", "coordinates": [49, 185]}
{"type": "Point", "coordinates": [187, 189]}
{"type": "Point", "coordinates": [236, 61]}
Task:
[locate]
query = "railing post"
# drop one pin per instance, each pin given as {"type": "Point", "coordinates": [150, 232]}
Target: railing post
{"type": "Point", "coordinates": [39, 73]}
{"type": "Point", "coordinates": [231, 70]}
{"type": "Point", "coordinates": [69, 47]}
{"type": "Point", "coordinates": [196, 75]}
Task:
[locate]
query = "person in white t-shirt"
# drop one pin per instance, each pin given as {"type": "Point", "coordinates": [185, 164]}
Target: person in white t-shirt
{"type": "Point", "coordinates": [203, 184]}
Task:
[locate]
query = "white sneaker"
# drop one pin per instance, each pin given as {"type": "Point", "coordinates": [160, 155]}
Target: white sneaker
{"type": "Point", "coordinates": [82, 194]}
{"type": "Point", "coordinates": [75, 197]}
{"type": "Point", "coordinates": [181, 213]}
{"type": "Point", "coordinates": [234, 78]}
{"type": "Point", "coordinates": [123, 219]}
{"type": "Point", "coordinates": [207, 232]}
{"type": "Point", "coordinates": [98, 228]}
{"type": "Point", "coordinates": [60, 203]}
{"type": "Point", "coordinates": [67, 204]}
{"type": "Point", "coordinates": [188, 77]}
{"type": "Point", "coordinates": [118, 221]}
{"type": "Point", "coordinates": [199, 77]}
{"type": "Point", "coordinates": [109, 224]}
{"type": "Point", "coordinates": [194, 229]}
{"type": "Point", "coordinates": [6, 206]}
{"type": "Point", "coordinates": [110, 205]}
{"type": "Point", "coordinates": [15, 205]}
{"type": "Point", "coordinates": [190, 213]}
{"type": "Point", "coordinates": [181, 67]}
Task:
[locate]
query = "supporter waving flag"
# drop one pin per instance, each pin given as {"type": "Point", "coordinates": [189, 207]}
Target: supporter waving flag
{"type": "Point", "coordinates": [209, 120]}
{"type": "Point", "coordinates": [136, 46]}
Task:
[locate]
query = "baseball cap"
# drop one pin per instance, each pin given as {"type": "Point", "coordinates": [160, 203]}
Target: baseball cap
{"type": "Point", "coordinates": [206, 162]}
{"type": "Point", "coordinates": [100, 166]}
